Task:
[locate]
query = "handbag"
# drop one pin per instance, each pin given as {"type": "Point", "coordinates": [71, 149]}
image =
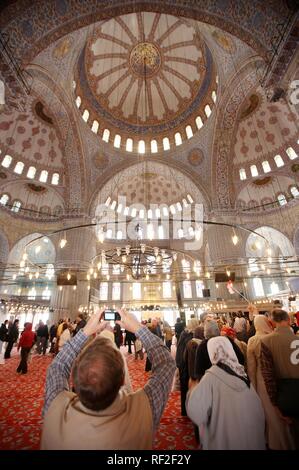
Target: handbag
{"type": "Point", "coordinates": [288, 397]}
{"type": "Point", "coordinates": [138, 345]}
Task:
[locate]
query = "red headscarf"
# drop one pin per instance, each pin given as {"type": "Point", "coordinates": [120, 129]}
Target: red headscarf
{"type": "Point", "coordinates": [228, 331]}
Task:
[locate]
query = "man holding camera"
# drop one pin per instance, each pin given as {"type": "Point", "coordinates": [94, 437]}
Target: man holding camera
{"type": "Point", "coordinates": [101, 415]}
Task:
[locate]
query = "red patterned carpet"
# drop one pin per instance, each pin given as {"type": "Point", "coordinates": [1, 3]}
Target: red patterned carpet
{"type": "Point", "coordinates": [22, 400]}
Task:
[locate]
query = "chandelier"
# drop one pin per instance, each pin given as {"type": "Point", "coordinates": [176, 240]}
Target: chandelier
{"type": "Point", "coordinates": [140, 260]}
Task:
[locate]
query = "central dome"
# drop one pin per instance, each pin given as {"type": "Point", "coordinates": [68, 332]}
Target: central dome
{"type": "Point", "coordinates": [144, 74]}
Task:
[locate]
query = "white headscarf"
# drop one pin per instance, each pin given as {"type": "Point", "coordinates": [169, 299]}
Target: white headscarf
{"type": "Point", "coordinates": [262, 325]}
{"type": "Point", "coordinates": [220, 350]}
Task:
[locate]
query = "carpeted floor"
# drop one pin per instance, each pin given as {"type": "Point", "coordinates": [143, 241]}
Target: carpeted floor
{"type": "Point", "coordinates": [21, 401]}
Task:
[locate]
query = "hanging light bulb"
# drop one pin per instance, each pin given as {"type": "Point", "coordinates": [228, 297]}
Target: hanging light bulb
{"type": "Point", "coordinates": [95, 275]}
{"type": "Point", "coordinates": [14, 277]}
{"type": "Point", "coordinates": [37, 274]}
{"type": "Point", "coordinates": [99, 265]}
{"type": "Point", "coordinates": [270, 260]}
{"type": "Point", "coordinates": [22, 264]}
{"type": "Point", "coordinates": [147, 277]}
{"type": "Point", "coordinates": [269, 251]}
{"type": "Point", "coordinates": [208, 275]}
{"type": "Point", "coordinates": [245, 284]}
{"type": "Point", "coordinates": [30, 276]}
{"type": "Point", "coordinates": [248, 272]}
{"type": "Point", "coordinates": [63, 242]}
{"type": "Point", "coordinates": [228, 272]}
{"type": "Point", "coordinates": [25, 256]}
{"type": "Point", "coordinates": [118, 251]}
{"type": "Point", "coordinates": [74, 287]}
{"type": "Point", "coordinates": [235, 238]}
{"type": "Point", "coordinates": [68, 276]}
{"type": "Point", "coordinates": [124, 258]}
{"type": "Point", "coordinates": [91, 270]}
{"type": "Point", "coordinates": [142, 247]}
{"type": "Point", "coordinates": [60, 288]}
{"type": "Point", "coordinates": [174, 256]}
{"type": "Point", "coordinates": [27, 269]}
{"type": "Point", "coordinates": [127, 248]}
{"type": "Point", "coordinates": [268, 271]}
{"type": "Point", "coordinates": [159, 259]}
{"type": "Point", "coordinates": [217, 285]}
{"type": "Point", "coordinates": [188, 276]}
{"type": "Point", "coordinates": [88, 287]}
{"type": "Point", "coordinates": [101, 236]}
{"type": "Point", "coordinates": [88, 277]}
{"type": "Point", "coordinates": [168, 276]}
{"type": "Point", "coordinates": [128, 277]}
{"type": "Point", "coordinates": [288, 270]}
{"type": "Point", "coordinates": [107, 277]}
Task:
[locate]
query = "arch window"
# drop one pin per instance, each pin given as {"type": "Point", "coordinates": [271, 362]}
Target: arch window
{"type": "Point", "coordinates": [189, 132]}
{"type": "Point", "coordinates": [266, 166]}
{"type": "Point", "coordinates": [31, 172]}
{"type": "Point", "coordinates": [43, 176]}
{"type": "Point", "coordinates": [294, 191]}
{"type": "Point", "coordinates": [166, 144]}
{"type": "Point", "coordinates": [258, 287]}
{"type": "Point", "coordinates": [117, 140]}
{"type": "Point", "coordinates": [46, 294]}
{"type": "Point", "coordinates": [214, 96]}
{"type": "Point", "coordinates": [4, 199]}
{"type": "Point", "coordinates": [154, 146]}
{"type": "Point", "coordinates": [129, 145]}
{"type": "Point", "coordinates": [198, 122]}
{"type": "Point", "coordinates": [85, 115]}
{"type": "Point", "coordinates": [161, 232]}
{"type": "Point", "coordinates": [55, 178]}
{"type": "Point", "coordinates": [119, 235]}
{"type": "Point", "coordinates": [106, 135]}
{"type": "Point", "coordinates": [242, 173]}
{"type": "Point", "coordinates": [208, 110]}
{"type": "Point", "coordinates": [253, 170]}
{"type": "Point", "coordinates": [78, 101]}
{"type": "Point", "coordinates": [178, 139]}
{"type": "Point", "coordinates": [16, 206]}
{"type": "Point", "coordinates": [95, 126]}
{"type": "Point", "coordinates": [291, 153]}
{"type": "Point", "coordinates": [141, 146]}
{"type": "Point", "coordinates": [6, 162]}
{"type": "Point", "coordinates": [282, 199]}
{"type": "Point", "coordinates": [19, 168]}
{"type": "Point", "coordinates": [279, 161]}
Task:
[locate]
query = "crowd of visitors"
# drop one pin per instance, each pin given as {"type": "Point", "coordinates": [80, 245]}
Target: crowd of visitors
{"type": "Point", "coordinates": [238, 378]}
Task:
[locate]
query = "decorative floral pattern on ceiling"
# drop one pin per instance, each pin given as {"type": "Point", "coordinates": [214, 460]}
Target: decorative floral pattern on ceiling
{"type": "Point", "coordinates": [265, 128]}
{"type": "Point", "coordinates": [31, 136]}
{"type": "Point", "coordinates": [141, 71]}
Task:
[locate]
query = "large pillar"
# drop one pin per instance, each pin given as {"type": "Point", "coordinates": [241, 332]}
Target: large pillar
{"type": "Point", "coordinates": [74, 257]}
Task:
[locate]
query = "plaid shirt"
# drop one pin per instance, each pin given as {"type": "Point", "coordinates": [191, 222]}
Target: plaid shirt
{"type": "Point", "coordinates": [157, 388]}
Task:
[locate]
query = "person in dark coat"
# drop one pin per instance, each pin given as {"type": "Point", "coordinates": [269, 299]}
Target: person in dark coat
{"type": "Point", "coordinates": [81, 322]}
{"type": "Point", "coordinates": [182, 365]}
{"type": "Point", "coordinates": [118, 336]}
{"type": "Point", "coordinates": [3, 334]}
{"type": "Point", "coordinates": [178, 328]}
{"type": "Point", "coordinates": [42, 334]}
{"type": "Point", "coordinates": [12, 337]}
{"type": "Point", "coordinates": [53, 332]}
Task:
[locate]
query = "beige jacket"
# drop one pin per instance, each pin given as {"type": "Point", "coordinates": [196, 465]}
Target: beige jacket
{"type": "Point", "coordinates": [121, 426]}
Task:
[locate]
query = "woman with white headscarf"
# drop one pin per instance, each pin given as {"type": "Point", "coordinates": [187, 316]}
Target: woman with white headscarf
{"type": "Point", "coordinates": [224, 406]}
{"type": "Point", "coordinates": [278, 435]}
